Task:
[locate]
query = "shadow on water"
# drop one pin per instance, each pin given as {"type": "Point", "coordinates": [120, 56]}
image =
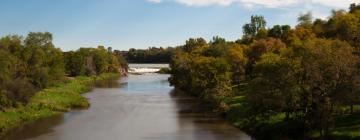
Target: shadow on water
{"type": "Point", "coordinates": [110, 83]}
{"type": "Point", "coordinates": [36, 128]}
{"type": "Point", "coordinates": [207, 125]}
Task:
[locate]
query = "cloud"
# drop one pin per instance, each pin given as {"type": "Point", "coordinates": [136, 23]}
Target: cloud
{"type": "Point", "coordinates": [268, 3]}
{"type": "Point", "coordinates": [263, 3]}
{"type": "Point", "coordinates": [155, 1]}
{"type": "Point", "coordinates": [206, 2]}
{"type": "Point", "coordinates": [335, 3]}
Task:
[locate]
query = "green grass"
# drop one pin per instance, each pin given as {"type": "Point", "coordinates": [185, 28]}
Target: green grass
{"type": "Point", "coordinates": [51, 101]}
{"type": "Point", "coordinates": [346, 127]}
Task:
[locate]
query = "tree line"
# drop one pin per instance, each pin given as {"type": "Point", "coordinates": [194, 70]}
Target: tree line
{"type": "Point", "coordinates": [150, 55]}
{"type": "Point", "coordinates": [278, 81]}
{"type": "Point", "coordinates": [34, 63]}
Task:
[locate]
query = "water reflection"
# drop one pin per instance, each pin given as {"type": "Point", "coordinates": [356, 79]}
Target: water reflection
{"type": "Point", "coordinates": [34, 129]}
{"type": "Point", "coordinates": [137, 107]}
{"type": "Point", "coordinates": [204, 124]}
{"type": "Point", "coordinates": [110, 83]}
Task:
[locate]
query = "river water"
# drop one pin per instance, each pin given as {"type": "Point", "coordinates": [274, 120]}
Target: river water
{"type": "Point", "coordinates": [137, 107]}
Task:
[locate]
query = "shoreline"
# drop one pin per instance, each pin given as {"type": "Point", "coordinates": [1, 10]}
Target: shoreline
{"type": "Point", "coordinates": [51, 101]}
{"type": "Point", "coordinates": [236, 117]}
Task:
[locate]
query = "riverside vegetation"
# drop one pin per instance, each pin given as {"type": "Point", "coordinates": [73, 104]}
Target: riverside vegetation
{"type": "Point", "coordinates": [38, 80]}
{"type": "Point", "coordinates": [280, 82]}
{"type": "Point", "coordinates": [150, 55]}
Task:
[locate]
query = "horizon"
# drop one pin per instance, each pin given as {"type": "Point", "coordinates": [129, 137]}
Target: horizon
{"type": "Point", "coordinates": [146, 23]}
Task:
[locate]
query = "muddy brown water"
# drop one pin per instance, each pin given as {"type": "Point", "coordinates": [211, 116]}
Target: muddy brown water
{"type": "Point", "coordinates": [137, 107]}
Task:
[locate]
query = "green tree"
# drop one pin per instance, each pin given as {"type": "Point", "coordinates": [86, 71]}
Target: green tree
{"type": "Point", "coordinates": [354, 8]}
{"type": "Point", "coordinates": [279, 31]}
{"type": "Point", "coordinates": [101, 60]}
{"type": "Point", "coordinates": [274, 88]}
{"type": "Point", "coordinates": [257, 23]}
{"type": "Point", "coordinates": [193, 44]}
{"type": "Point", "coordinates": [218, 41]}
{"type": "Point", "coordinates": [305, 20]}
{"type": "Point", "coordinates": [45, 62]}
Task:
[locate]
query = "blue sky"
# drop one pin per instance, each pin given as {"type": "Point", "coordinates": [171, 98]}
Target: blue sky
{"type": "Point", "coordinates": [124, 24]}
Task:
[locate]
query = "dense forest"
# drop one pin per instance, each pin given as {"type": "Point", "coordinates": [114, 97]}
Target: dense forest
{"type": "Point", "coordinates": [34, 63]}
{"type": "Point", "coordinates": [281, 82]}
{"type": "Point", "coordinates": [150, 55]}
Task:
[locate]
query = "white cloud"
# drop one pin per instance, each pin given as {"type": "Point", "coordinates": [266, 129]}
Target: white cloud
{"type": "Point", "coordinates": [335, 3]}
{"type": "Point", "coordinates": [268, 3]}
{"type": "Point", "coordinates": [155, 1]}
{"type": "Point", "coordinates": [264, 3]}
{"type": "Point", "coordinates": [206, 2]}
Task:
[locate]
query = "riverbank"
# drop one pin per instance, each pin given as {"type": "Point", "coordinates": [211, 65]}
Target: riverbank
{"type": "Point", "coordinates": [51, 101]}
{"type": "Point", "coordinates": [346, 127]}
{"type": "Point", "coordinates": [145, 104]}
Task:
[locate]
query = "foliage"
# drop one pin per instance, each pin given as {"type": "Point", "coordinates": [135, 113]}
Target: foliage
{"type": "Point", "coordinates": [28, 65]}
{"type": "Point", "coordinates": [50, 101]}
{"type": "Point", "coordinates": [280, 82]}
{"type": "Point", "coordinates": [305, 20]}
{"type": "Point", "coordinates": [256, 28]}
{"type": "Point", "coordinates": [150, 55]}
{"type": "Point", "coordinates": [34, 63]}
{"type": "Point", "coordinates": [93, 61]}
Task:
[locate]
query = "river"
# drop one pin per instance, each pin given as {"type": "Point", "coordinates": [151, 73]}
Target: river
{"type": "Point", "coordinates": [137, 107]}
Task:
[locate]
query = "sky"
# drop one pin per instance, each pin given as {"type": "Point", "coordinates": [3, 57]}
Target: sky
{"type": "Point", "coordinates": [124, 24]}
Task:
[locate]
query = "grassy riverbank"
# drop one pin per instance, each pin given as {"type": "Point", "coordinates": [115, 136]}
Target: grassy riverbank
{"type": "Point", "coordinates": [346, 127]}
{"type": "Point", "coordinates": [51, 101]}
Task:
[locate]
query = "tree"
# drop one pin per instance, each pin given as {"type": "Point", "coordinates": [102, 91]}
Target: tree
{"type": "Point", "coordinates": [345, 26]}
{"type": "Point", "coordinates": [273, 90]}
{"type": "Point", "coordinates": [319, 27]}
{"type": "Point", "coordinates": [305, 82]}
{"type": "Point", "coordinates": [276, 31]}
{"type": "Point", "coordinates": [180, 68]}
{"type": "Point", "coordinates": [217, 48]}
{"type": "Point", "coordinates": [218, 41]}
{"type": "Point", "coordinates": [150, 55]}
{"type": "Point", "coordinates": [31, 64]}
{"type": "Point", "coordinates": [280, 32]}
{"type": "Point", "coordinates": [325, 71]}
{"type": "Point", "coordinates": [251, 29]}
{"type": "Point", "coordinates": [6, 69]}
{"type": "Point", "coordinates": [237, 59]}
{"type": "Point", "coordinates": [121, 59]}
{"type": "Point", "coordinates": [74, 63]}
{"type": "Point", "coordinates": [291, 81]}
{"type": "Point", "coordinates": [101, 60]}
{"type": "Point", "coordinates": [39, 39]}
{"type": "Point", "coordinates": [354, 8]}
{"type": "Point", "coordinates": [193, 44]}
{"type": "Point", "coordinates": [263, 46]}
{"type": "Point", "coordinates": [94, 61]}
{"type": "Point", "coordinates": [14, 85]}
{"type": "Point", "coordinates": [305, 20]}
{"type": "Point", "coordinates": [44, 60]}
{"type": "Point", "coordinates": [299, 34]}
